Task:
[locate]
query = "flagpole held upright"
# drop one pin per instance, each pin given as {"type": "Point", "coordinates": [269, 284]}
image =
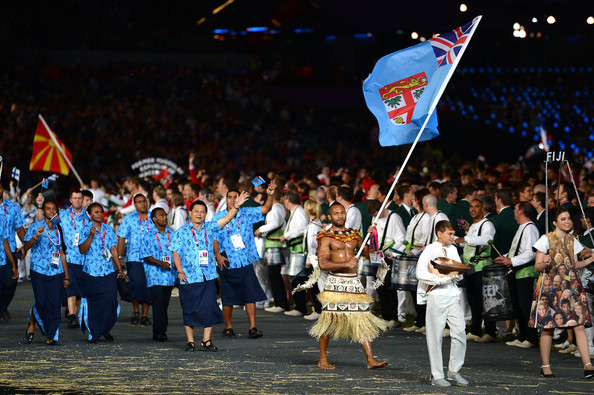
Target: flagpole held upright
{"type": "Point", "coordinates": [59, 147]}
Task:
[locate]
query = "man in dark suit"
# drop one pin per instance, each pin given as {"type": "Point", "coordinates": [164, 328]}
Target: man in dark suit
{"type": "Point", "coordinates": [462, 209]}
{"type": "Point", "coordinates": [449, 195]}
{"type": "Point", "coordinates": [538, 202]}
{"type": "Point", "coordinates": [406, 210]}
{"type": "Point", "coordinates": [504, 222]}
{"type": "Point", "coordinates": [565, 194]}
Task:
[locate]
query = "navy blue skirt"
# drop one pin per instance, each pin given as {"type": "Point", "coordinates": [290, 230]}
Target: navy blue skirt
{"type": "Point", "coordinates": [199, 304]}
{"type": "Point", "coordinates": [240, 286]}
{"type": "Point", "coordinates": [137, 283]}
{"type": "Point", "coordinates": [75, 287]}
{"type": "Point", "coordinates": [47, 309]}
{"type": "Point", "coordinates": [99, 308]}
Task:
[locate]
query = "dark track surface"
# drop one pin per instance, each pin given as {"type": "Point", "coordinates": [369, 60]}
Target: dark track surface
{"type": "Point", "coordinates": [283, 361]}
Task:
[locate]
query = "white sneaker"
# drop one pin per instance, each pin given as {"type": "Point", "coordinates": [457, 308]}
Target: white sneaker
{"type": "Point", "coordinates": [294, 313]}
{"type": "Point", "coordinates": [570, 349]}
{"type": "Point", "coordinates": [312, 317]}
{"type": "Point", "coordinates": [421, 330]}
{"type": "Point", "coordinates": [514, 343]}
{"type": "Point", "coordinates": [526, 344]}
{"type": "Point", "coordinates": [560, 346]}
{"type": "Point", "coordinates": [275, 309]}
{"type": "Point", "coordinates": [446, 332]}
{"type": "Point", "coordinates": [413, 328]}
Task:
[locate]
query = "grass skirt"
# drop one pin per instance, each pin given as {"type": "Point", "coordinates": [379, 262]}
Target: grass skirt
{"type": "Point", "coordinates": [346, 311]}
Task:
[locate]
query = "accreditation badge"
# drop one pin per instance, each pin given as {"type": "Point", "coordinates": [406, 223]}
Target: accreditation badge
{"type": "Point", "coordinates": [166, 259]}
{"type": "Point", "coordinates": [55, 262]}
{"type": "Point", "coordinates": [237, 242]}
{"type": "Point", "coordinates": [106, 254]}
{"type": "Point", "coordinates": [76, 238]}
{"type": "Point", "coordinates": [376, 258]}
{"type": "Point", "coordinates": [203, 258]}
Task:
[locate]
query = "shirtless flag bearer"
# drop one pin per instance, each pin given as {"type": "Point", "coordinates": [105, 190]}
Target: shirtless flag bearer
{"type": "Point", "coordinates": [346, 308]}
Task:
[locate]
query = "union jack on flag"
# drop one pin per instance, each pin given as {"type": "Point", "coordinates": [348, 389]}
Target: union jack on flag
{"type": "Point", "coordinates": [448, 45]}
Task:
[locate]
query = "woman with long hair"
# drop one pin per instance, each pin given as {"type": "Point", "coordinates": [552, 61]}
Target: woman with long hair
{"type": "Point", "coordinates": [556, 249]}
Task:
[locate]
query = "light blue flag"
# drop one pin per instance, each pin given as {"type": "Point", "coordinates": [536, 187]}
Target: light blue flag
{"type": "Point", "coordinates": [393, 89]}
{"type": "Point", "coordinates": [404, 87]}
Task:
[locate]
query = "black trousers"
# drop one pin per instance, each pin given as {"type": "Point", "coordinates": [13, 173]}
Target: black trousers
{"type": "Point", "coordinates": [161, 295]}
{"type": "Point", "coordinates": [474, 289]}
{"type": "Point", "coordinates": [388, 298]}
{"type": "Point", "coordinates": [9, 284]}
{"type": "Point", "coordinates": [300, 298]}
{"type": "Point", "coordinates": [277, 287]}
{"type": "Point", "coordinates": [421, 310]}
{"type": "Point", "coordinates": [521, 294]}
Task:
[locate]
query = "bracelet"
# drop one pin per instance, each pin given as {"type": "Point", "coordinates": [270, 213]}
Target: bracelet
{"type": "Point", "coordinates": [66, 279]}
{"type": "Point", "coordinates": [236, 208]}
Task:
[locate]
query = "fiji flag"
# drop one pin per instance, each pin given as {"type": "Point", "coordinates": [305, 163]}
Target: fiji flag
{"type": "Point", "coordinates": [405, 86]}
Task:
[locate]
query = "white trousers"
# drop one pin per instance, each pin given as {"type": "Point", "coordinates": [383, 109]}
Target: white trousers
{"type": "Point", "coordinates": [442, 309]}
{"type": "Point", "coordinates": [405, 304]}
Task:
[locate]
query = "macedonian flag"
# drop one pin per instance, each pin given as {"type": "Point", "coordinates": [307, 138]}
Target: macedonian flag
{"type": "Point", "coordinates": [47, 156]}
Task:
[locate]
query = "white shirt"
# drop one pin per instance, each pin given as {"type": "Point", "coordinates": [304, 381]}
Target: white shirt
{"type": "Point", "coordinates": [444, 286]}
{"type": "Point", "coordinates": [275, 218]}
{"type": "Point", "coordinates": [523, 253]}
{"type": "Point", "coordinates": [296, 223]}
{"type": "Point", "coordinates": [353, 218]}
{"type": "Point", "coordinates": [395, 231]}
{"type": "Point", "coordinates": [210, 212]}
{"type": "Point", "coordinates": [99, 197]}
{"type": "Point", "coordinates": [179, 217]}
{"type": "Point", "coordinates": [542, 245]}
{"type": "Point", "coordinates": [415, 232]}
{"type": "Point", "coordinates": [222, 205]}
{"type": "Point", "coordinates": [435, 218]}
{"type": "Point", "coordinates": [472, 240]}
{"type": "Point", "coordinates": [311, 231]}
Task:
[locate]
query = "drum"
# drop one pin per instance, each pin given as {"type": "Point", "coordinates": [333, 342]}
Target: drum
{"type": "Point", "coordinates": [364, 268]}
{"type": "Point", "coordinates": [404, 273]}
{"type": "Point", "coordinates": [497, 303]}
{"type": "Point", "coordinates": [296, 265]}
{"type": "Point", "coordinates": [273, 256]}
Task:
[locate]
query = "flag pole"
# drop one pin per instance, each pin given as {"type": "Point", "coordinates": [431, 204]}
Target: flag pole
{"type": "Point", "coordinates": [61, 150]}
{"type": "Point", "coordinates": [429, 113]}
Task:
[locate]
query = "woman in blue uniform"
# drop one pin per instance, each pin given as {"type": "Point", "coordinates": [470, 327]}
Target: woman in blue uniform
{"type": "Point", "coordinates": [99, 308]}
{"type": "Point", "coordinates": [193, 255]}
{"type": "Point", "coordinates": [49, 273]}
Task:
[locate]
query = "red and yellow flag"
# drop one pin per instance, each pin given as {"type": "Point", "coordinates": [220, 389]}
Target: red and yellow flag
{"type": "Point", "coordinates": [46, 155]}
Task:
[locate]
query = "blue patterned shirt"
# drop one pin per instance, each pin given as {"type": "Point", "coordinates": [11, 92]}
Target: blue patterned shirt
{"type": "Point", "coordinates": [242, 224]}
{"type": "Point", "coordinates": [133, 230]}
{"type": "Point", "coordinates": [12, 213]}
{"type": "Point", "coordinates": [156, 245]}
{"type": "Point", "coordinates": [71, 225]}
{"type": "Point", "coordinates": [3, 235]}
{"type": "Point", "coordinates": [94, 264]}
{"type": "Point", "coordinates": [184, 244]}
{"type": "Point", "coordinates": [49, 242]}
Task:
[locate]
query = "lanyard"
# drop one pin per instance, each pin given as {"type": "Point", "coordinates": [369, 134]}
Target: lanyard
{"type": "Point", "coordinates": [141, 226]}
{"type": "Point", "coordinates": [168, 240]}
{"type": "Point", "coordinates": [238, 225]}
{"type": "Point", "coordinates": [102, 238]}
{"type": "Point", "coordinates": [51, 242]}
{"type": "Point", "coordinates": [374, 243]}
{"type": "Point", "coordinates": [5, 209]}
{"type": "Point", "coordinates": [196, 240]}
{"type": "Point", "coordinates": [72, 217]}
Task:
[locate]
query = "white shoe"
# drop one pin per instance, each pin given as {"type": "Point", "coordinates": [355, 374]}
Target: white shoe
{"type": "Point", "coordinates": [275, 309]}
{"type": "Point", "coordinates": [413, 328]}
{"type": "Point", "coordinates": [294, 313]}
{"type": "Point", "coordinates": [560, 346]}
{"type": "Point", "coordinates": [459, 380]}
{"type": "Point", "coordinates": [513, 343]}
{"type": "Point", "coordinates": [260, 305]}
{"type": "Point", "coordinates": [446, 332]}
{"type": "Point", "coordinates": [486, 339]}
{"type": "Point", "coordinates": [526, 344]}
{"type": "Point", "coordinates": [421, 330]}
{"type": "Point", "coordinates": [570, 349]}
{"type": "Point", "coordinates": [312, 317]}
{"type": "Point", "coordinates": [470, 336]}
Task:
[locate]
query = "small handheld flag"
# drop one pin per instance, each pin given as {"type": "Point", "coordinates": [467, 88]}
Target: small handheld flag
{"type": "Point", "coordinates": [16, 174]}
{"type": "Point", "coordinates": [45, 183]}
{"type": "Point", "coordinates": [257, 181]}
